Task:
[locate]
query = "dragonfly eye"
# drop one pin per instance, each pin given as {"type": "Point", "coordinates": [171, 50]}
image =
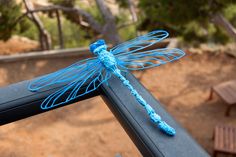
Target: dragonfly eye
{"type": "Point", "coordinates": [97, 44]}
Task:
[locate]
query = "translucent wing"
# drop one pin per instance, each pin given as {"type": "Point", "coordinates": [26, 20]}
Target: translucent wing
{"type": "Point", "coordinates": [64, 76]}
{"type": "Point", "coordinates": [140, 42]}
{"type": "Point", "coordinates": [148, 59]}
{"type": "Point", "coordinates": [87, 82]}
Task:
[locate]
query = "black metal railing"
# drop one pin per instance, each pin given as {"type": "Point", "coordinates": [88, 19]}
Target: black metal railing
{"type": "Point", "coordinates": [17, 102]}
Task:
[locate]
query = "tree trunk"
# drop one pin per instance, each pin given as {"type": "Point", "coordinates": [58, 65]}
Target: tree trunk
{"type": "Point", "coordinates": [109, 30]}
{"type": "Point", "coordinates": [110, 33]}
{"type": "Point", "coordinates": [219, 20]}
{"type": "Point", "coordinates": [60, 33]}
{"type": "Point", "coordinates": [132, 10]}
{"type": "Point", "coordinates": [80, 16]}
{"type": "Point", "coordinates": [44, 36]}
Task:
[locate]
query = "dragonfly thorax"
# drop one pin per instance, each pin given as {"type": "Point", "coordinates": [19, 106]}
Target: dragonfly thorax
{"type": "Point", "coordinates": [108, 60]}
{"type": "Point", "coordinates": [99, 48]}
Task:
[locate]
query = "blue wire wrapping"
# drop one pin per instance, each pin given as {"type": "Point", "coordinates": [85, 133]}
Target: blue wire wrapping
{"type": "Point", "coordinates": [163, 126]}
{"type": "Point", "coordinates": [95, 71]}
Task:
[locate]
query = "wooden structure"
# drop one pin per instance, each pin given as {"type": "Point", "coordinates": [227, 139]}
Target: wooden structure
{"type": "Point", "coordinates": [82, 52]}
{"type": "Point", "coordinates": [227, 91]}
{"type": "Point", "coordinates": [224, 140]}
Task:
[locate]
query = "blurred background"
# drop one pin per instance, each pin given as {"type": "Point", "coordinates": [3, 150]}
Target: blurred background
{"type": "Point", "coordinates": [204, 29]}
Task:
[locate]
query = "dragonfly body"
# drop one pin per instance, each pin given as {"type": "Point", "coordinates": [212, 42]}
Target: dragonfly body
{"type": "Point", "coordinates": [108, 60]}
{"type": "Point", "coordinates": [126, 56]}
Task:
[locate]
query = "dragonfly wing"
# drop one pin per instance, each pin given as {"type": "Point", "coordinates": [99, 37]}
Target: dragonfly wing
{"type": "Point", "coordinates": [140, 42]}
{"type": "Point", "coordinates": [64, 76]}
{"type": "Point", "coordinates": [148, 59]}
{"type": "Point", "coordinates": [88, 82]}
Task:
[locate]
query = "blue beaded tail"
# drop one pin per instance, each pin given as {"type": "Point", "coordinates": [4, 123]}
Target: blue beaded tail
{"type": "Point", "coordinates": [155, 118]}
{"type": "Point", "coordinates": [163, 126]}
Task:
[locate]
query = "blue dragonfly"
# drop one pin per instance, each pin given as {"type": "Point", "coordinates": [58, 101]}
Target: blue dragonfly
{"type": "Point", "coordinates": [130, 55]}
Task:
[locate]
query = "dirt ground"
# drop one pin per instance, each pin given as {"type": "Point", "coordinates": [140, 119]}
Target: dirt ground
{"type": "Point", "coordinates": [89, 129]}
{"type": "Point", "coordinates": [17, 44]}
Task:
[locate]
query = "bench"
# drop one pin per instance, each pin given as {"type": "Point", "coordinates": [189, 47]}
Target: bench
{"type": "Point", "coordinates": [224, 140]}
{"type": "Point", "coordinates": [227, 92]}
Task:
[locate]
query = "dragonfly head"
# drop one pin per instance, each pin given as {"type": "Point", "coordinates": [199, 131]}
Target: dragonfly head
{"type": "Point", "coordinates": [98, 46]}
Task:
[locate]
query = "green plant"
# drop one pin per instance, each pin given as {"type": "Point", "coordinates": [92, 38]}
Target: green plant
{"type": "Point", "coordinates": [190, 19]}
{"type": "Point", "coordinates": [72, 34]}
{"type": "Point", "coordinates": [9, 13]}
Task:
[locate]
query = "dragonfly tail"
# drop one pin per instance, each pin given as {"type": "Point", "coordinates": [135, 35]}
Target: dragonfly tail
{"type": "Point", "coordinates": [163, 126]}
{"type": "Point", "coordinates": [155, 118]}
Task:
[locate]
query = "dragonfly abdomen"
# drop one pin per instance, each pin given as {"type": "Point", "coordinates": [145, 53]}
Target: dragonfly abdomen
{"type": "Point", "coordinates": [162, 125]}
